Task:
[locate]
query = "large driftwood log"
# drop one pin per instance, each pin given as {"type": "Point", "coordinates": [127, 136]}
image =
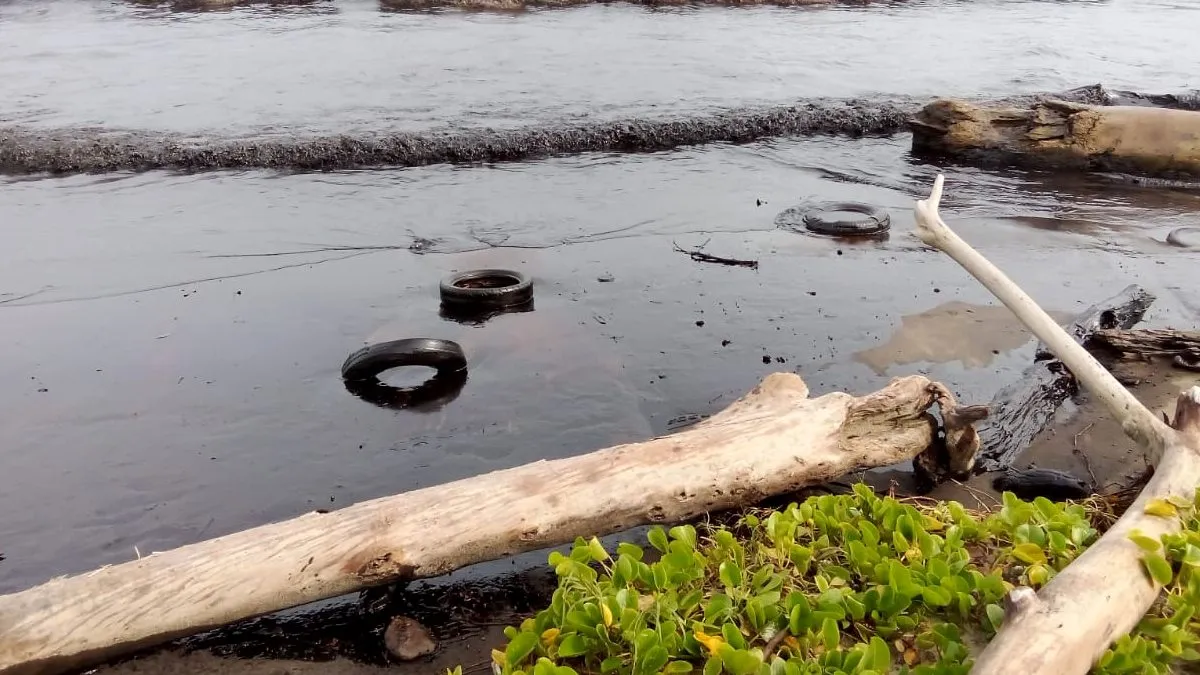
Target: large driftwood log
{"type": "Point", "coordinates": [772, 441]}
{"type": "Point", "coordinates": [1059, 134]}
{"type": "Point", "coordinates": [1020, 411]}
{"type": "Point", "coordinates": [1103, 594]}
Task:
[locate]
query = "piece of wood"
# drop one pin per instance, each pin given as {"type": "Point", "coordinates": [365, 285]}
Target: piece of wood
{"type": "Point", "coordinates": [772, 441]}
{"type": "Point", "coordinates": [1066, 626]}
{"type": "Point", "coordinates": [1021, 410]}
{"type": "Point", "coordinates": [1148, 342]}
{"type": "Point", "coordinates": [1058, 134]}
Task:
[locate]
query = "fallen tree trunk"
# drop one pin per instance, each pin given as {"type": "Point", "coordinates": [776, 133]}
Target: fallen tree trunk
{"type": "Point", "coordinates": [1063, 135]}
{"type": "Point", "coordinates": [1020, 411]}
{"type": "Point", "coordinates": [1064, 628]}
{"type": "Point", "coordinates": [772, 441]}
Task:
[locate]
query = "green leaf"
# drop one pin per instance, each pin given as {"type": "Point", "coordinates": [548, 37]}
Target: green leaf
{"type": "Point", "coordinates": [678, 667]}
{"type": "Point", "coordinates": [713, 666]}
{"type": "Point", "coordinates": [830, 634]}
{"type": "Point", "coordinates": [995, 615]}
{"type": "Point", "coordinates": [572, 644]}
{"type": "Point", "coordinates": [684, 533]}
{"type": "Point", "coordinates": [1029, 553]}
{"type": "Point", "coordinates": [632, 550]}
{"type": "Point", "coordinates": [880, 656]}
{"type": "Point", "coordinates": [718, 608]}
{"type": "Point", "coordinates": [740, 661]}
{"type": "Point", "coordinates": [655, 658]}
{"type": "Point", "coordinates": [730, 573]}
{"type": "Point", "coordinates": [657, 538]}
{"type": "Point", "coordinates": [1158, 567]}
{"type": "Point", "coordinates": [520, 647]}
{"type": "Point", "coordinates": [597, 549]}
{"type": "Point", "coordinates": [1191, 556]}
{"type": "Point", "coordinates": [610, 664]}
{"type": "Point", "coordinates": [1148, 544]}
{"type": "Point", "coordinates": [936, 596]}
{"type": "Point", "coordinates": [733, 636]}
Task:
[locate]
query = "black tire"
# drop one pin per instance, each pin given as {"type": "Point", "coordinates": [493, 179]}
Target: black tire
{"type": "Point", "coordinates": [486, 289]}
{"type": "Point", "coordinates": [874, 221]}
{"type": "Point", "coordinates": [361, 370]}
{"type": "Point", "coordinates": [1185, 237]}
{"type": "Point", "coordinates": [442, 355]}
{"type": "Point", "coordinates": [432, 395]}
{"type": "Point", "coordinates": [1031, 483]}
{"type": "Point", "coordinates": [1190, 361]}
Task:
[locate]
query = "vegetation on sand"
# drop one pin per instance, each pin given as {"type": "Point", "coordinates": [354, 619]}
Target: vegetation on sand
{"type": "Point", "coordinates": [858, 584]}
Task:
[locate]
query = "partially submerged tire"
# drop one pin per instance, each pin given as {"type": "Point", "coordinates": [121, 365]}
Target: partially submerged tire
{"type": "Point", "coordinates": [486, 289]}
{"type": "Point", "coordinates": [1185, 237]}
{"type": "Point", "coordinates": [1028, 484]}
{"type": "Point", "coordinates": [822, 219]}
{"type": "Point", "coordinates": [361, 370]}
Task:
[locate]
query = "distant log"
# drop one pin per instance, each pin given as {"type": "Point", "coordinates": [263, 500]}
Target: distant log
{"type": "Point", "coordinates": [772, 441]}
{"type": "Point", "coordinates": [1020, 411]}
{"type": "Point", "coordinates": [1063, 135]}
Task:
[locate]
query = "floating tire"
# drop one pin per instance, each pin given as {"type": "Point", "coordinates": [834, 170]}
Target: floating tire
{"type": "Point", "coordinates": [486, 289]}
{"type": "Point", "coordinates": [361, 370]}
{"type": "Point", "coordinates": [821, 219]}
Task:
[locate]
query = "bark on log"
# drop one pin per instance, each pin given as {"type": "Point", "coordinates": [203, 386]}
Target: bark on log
{"type": "Point", "coordinates": [1020, 411]}
{"type": "Point", "coordinates": [1064, 628]}
{"type": "Point", "coordinates": [772, 441]}
{"type": "Point", "coordinates": [1148, 342]}
{"type": "Point", "coordinates": [1059, 134]}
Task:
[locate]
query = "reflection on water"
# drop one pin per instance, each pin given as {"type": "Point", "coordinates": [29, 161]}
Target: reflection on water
{"type": "Point", "coordinates": [953, 331]}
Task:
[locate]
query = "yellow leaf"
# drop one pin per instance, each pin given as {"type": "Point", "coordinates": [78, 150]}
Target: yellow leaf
{"type": "Point", "coordinates": [1161, 507]}
{"type": "Point", "coordinates": [607, 614]}
{"type": "Point", "coordinates": [933, 524]}
{"type": "Point", "coordinates": [1038, 575]}
{"type": "Point", "coordinates": [498, 657]}
{"type": "Point", "coordinates": [910, 656]}
{"type": "Point", "coordinates": [1148, 544]}
{"type": "Point", "coordinates": [711, 642]}
{"type": "Point", "coordinates": [1029, 553]}
{"type": "Point", "coordinates": [549, 635]}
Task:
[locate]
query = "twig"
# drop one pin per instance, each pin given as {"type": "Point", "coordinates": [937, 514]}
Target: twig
{"type": "Point", "coordinates": [1087, 463]}
{"type": "Point", "coordinates": [699, 256]}
{"type": "Point", "coordinates": [773, 644]}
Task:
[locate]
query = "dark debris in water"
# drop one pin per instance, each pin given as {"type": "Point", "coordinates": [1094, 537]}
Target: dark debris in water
{"type": "Point", "coordinates": [26, 150]}
{"type": "Point", "coordinates": [68, 150]}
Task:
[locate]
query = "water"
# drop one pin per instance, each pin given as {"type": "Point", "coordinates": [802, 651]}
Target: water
{"type": "Point", "coordinates": [172, 352]}
{"type": "Point", "coordinates": [344, 65]}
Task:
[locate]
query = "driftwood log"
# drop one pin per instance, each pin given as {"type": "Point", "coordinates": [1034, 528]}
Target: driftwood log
{"type": "Point", "coordinates": [1021, 410]}
{"type": "Point", "coordinates": [1059, 134]}
{"type": "Point", "coordinates": [772, 441]}
{"type": "Point", "coordinates": [1064, 628]}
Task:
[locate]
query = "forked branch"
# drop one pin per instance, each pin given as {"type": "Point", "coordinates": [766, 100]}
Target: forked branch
{"type": "Point", "coordinates": [1103, 594]}
{"type": "Point", "coordinates": [1135, 418]}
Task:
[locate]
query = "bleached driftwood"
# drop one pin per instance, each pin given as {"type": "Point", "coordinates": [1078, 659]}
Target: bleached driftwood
{"type": "Point", "coordinates": [772, 441]}
{"type": "Point", "coordinates": [1065, 627]}
{"type": "Point", "coordinates": [1061, 134]}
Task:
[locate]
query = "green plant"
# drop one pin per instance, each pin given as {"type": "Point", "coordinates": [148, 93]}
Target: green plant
{"type": "Point", "coordinates": [854, 584]}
